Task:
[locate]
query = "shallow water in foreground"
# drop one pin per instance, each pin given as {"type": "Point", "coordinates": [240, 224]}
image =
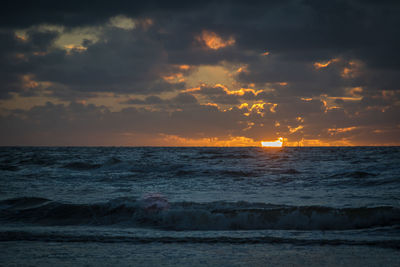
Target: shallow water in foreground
{"type": "Point", "coordinates": [226, 206]}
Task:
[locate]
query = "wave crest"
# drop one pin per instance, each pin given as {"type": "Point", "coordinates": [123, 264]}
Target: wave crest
{"type": "Point", "coordinates": [197, 216]}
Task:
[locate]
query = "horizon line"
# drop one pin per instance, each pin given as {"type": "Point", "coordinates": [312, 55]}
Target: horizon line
{"type": "Point", "coordinates": [171, 146]}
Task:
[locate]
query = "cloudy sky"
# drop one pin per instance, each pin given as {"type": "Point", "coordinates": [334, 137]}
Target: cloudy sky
{"type": "Point", "coordinates": [220, 73]}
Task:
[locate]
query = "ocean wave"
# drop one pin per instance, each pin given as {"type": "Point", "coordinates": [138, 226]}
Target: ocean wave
{"type": "Point", "coordinates": [217, 173]}
{"type": "Point", "coordinates": [235, 173]}
{"type": "Point", "coordinates": [9, 167]}
{"type": "Point", "coordinates": [36, 159]}
{"type": "Point", "coordinates": [83, 165]}
{"type": "Point", "coordinates": [353, 174]}
{"type": "Point", "coordinates": [287, 171]}
{"type": "Point", "coordinates": [78, 165]}
{"type": "Point", "coordinates": [197, 216]}
{"type": "Point", "coordinates": [60, 237]}
{"type": "Point", "coordinates": [224, 156]}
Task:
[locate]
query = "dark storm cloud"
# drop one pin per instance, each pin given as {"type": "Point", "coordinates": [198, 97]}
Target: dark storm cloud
{"type": "Point", "coordinates": [69, 124]}
{"type": "Point", "coordinates": [22, 13]}
{"type": "Point", "coordinates": [355, 42]}
{"type": "Point", "coordinates": [222, 95]}
{"type": "Point", "coordinates": [61, 121]}
{"type": "Point", "coordinates": [121, 62]}
{"type": "Point", "coordinates": [317, 28]}
{"type": "Point", "coordinates": [14, 55]}
{"type": "Point", "coordinates": [150, 100]}
{"type": "Point", "coordinates": [296, 33]}
{"type": "Point", "coordinates": [301, 77]}
{"type": "Point", "coordinates": [180, 99]}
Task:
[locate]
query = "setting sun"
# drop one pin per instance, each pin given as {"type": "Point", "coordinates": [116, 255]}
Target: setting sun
{"type": "Point", "coordinates": [277, 143]}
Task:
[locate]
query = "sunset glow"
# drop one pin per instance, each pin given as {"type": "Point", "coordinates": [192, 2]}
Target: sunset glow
{"type": "Point", "coordinates": [214, 41]}
{"type": "Point", "coordinates": [217, 121]}
{"type": "Point", "coordinates": [199, 75]}
{"type": "Point", "coordinates": [277, 143]}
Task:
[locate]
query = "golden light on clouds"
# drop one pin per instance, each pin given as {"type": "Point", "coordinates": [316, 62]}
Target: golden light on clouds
{"type": "Point", "coordinates": [174, 78]}
{"type": "Point", "coordinates": [240, 92]}
{"type": "Point", "coordinates": [355, 91]}
{"type": "Point", "coordinates": [295, 129]}
{"type": "Point", "coordinates": [230, 141]}
{"type": "Point", "coordinates": [28, 82]}
{"type": "Point", "coordinates": [242, 69]}
{"type": "Point", "coordinates": [184, 67]}
{"type": "Point", "coordinates": [330, 102]}
{"type": "Point", "coordinates": [272, 108]}
{"type": "Point", "coordinates": [21, 36]}
{"type": "Point", "coordinates": [333, 131]}
{"type": "Point", "coordinates": [214, 41]}
{"type": "Point", "coordinates": [324, 64]}
{"type": "Point", "coordinates": [352, 70]}
{"type": "Point", "coordinates": [74, 48]}
{"type": "Point", "coordinates": [277, 143]}
{"type": "Point", "coordinates": [318, 143]}
{"type": "Point", "coordinates": [256, 108]}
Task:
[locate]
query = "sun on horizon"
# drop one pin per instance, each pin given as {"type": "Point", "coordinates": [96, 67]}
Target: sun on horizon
{"type": "Point", "coordinates": [277, 143]}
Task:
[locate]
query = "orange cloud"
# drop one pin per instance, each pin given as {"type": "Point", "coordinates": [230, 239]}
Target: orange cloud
{"type": "Point", "coordinates": [243, 91]}
{"type": "Point", "coordinates": [352, 70]}
{"type": "Point", "coordinates": [318, 142]}
{"type": "Point", "coordinates": [333, 131]}
{"type": "Point", "coordinates": [174, 78]}
{"type": "Point", "coordinates": [330, 103]}
{"type": "Point", "coordinates": [272, 107]}
{"type": "Point", "coordinates": [28, 82]}
{"type": "Point", "coordinates": [21, 37]}
{"type": "Point", "coordinates": [240, 92]}
{"type": "Point", "coordinates": [214, 41]}
{"type": "Point", "coordinates": [184, 67]}
{"type": "Point", "coordinates": [320, 65]}
{"type": "Point", "coordinates": [74, 48]}
{"type": "Point", "coordinates": [258, 108]}
{"type": "Point", "coordinates": [355, 91]}
{"type": "Point", "coordinates": [346, 98]}
{"type": "Point", "coordinates": [293, 130]}
{"type": "Point", "coordinates": [174, 140]}
{"type": "Point", "coordinates": [242, 69]}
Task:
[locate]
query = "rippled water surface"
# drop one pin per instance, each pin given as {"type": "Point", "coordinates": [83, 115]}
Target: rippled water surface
{"type": "Point", "coordinates": [290, 206]}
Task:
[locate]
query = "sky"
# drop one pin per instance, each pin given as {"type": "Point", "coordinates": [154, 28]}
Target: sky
{"type": "Point", "coordinates": [199, 73]}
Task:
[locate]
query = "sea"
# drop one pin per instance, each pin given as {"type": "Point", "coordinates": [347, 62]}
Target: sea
{"type": "Point", "coordinates": [199, 206]}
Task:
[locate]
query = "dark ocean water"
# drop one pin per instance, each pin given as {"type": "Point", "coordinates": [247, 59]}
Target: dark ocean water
{"type": "Point", "coordinates": [200, 206]}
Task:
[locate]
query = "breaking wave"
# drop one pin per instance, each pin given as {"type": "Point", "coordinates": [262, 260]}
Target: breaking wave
{"type": "Point", "coordinates": [130, 212]}
{"type": "Point", "coordinates": [60, 237]}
